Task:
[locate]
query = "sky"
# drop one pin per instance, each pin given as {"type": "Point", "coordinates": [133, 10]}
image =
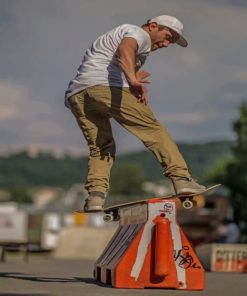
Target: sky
{"type": "Point", "coordinates": [195, 91]}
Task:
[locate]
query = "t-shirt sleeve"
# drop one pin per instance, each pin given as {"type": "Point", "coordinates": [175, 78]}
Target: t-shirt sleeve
{"type": "Point", "coordinates": [141, 38]}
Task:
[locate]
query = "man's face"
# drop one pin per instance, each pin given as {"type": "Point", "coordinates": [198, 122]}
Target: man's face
{"type": "Point", "coordinates": [161, 37]}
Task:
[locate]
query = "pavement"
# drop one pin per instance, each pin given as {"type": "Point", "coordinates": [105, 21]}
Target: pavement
{"type": "Point", "coordinates": [92, 240]}
{"type": "Point", "coordinates": [46, 276]}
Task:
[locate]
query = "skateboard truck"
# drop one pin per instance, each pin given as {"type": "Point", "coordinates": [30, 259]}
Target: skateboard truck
{"type": "Point", "coordinates": [111, 216]}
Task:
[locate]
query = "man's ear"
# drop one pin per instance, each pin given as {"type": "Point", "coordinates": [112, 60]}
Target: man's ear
{"type": "Point", "coordinates": [153, 26]}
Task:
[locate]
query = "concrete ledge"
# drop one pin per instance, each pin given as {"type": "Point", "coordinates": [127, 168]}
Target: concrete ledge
{"type": "Point", "coordinates": [223, 257]}
{"type": "Point", "coordinates": [83, 242]}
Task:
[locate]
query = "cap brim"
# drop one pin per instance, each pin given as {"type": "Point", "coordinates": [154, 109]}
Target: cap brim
{"type": "Point", "coordinates": [182, 41]}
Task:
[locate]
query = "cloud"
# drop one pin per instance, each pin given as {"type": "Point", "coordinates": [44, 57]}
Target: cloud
{"type": "Point", "coordinates": [12, 97]}
{"type": "Point", "coordinates": [42, 43]}
{"type": "Point", "coordinates": [241, 75]}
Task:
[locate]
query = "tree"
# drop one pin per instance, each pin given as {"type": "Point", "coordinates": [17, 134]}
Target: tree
{"type": "Point", "coordinates": [233, 173]}
{"type": "Point", "coordinates": [127, 180]}
{"type": "Point", "coordinates": [20, 195]}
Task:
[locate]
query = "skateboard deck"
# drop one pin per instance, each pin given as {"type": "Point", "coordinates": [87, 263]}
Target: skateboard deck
{"type": "Point", "coordinates": [187, 200]}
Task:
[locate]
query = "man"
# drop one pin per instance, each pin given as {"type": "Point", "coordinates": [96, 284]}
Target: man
{"type": "Point", "coordinates": [108, 85]}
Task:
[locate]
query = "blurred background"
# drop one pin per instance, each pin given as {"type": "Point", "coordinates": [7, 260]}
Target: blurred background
{"type": "Point", "coordinates": [198, 93]}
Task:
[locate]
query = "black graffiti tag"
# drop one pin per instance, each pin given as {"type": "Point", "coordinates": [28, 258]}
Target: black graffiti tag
{"type": "Point", "coordinates": [184, 259]}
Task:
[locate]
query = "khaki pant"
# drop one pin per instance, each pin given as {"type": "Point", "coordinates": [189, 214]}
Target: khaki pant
{"type": "Point", "coordinates": [94, 106]}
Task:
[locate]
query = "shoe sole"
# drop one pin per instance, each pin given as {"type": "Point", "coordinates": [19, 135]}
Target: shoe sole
{"type": "Point", "coordinates": [190, 191]}
{"type": "Point", "coordinates": [93, 209]}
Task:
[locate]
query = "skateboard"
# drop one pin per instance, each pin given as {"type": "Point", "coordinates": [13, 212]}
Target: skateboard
{"type": "Point", "coordinates": [111, 213]}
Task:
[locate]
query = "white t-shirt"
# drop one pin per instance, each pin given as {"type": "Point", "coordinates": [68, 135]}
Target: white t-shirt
{"type": "Point", "coordinates": [100, 63]}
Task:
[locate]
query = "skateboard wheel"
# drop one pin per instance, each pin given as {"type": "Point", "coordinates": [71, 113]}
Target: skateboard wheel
{"type": "Point", "coordinates": [187, 204]}
{"type": "Point", "coordinates": [108, 218]}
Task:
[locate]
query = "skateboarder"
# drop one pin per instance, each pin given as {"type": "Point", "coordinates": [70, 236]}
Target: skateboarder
{"type": "Point", "coordinates": [110, 84]}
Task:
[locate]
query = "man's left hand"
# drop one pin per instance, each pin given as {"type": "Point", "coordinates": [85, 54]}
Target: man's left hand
{"type": "Point", "coordinates": [141, 75]}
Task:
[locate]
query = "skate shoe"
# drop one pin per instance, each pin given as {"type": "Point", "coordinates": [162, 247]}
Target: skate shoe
{"type": "Point", "coordinates": [186, 185]}
{"type": "Point", "coordinates": [94, 202]}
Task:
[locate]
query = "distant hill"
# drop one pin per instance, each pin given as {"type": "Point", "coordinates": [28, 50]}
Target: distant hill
{"type": "Point", "coordinates": [199, 157]}
{"type": "Point", "coordinates": [21, 169]}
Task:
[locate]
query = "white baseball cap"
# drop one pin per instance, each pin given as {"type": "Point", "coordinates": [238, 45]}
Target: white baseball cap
{"type": "Point", "coordinates": [172, 23]}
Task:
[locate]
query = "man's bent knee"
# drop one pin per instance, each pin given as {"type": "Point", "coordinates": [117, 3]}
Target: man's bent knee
{"type": "Point", "coordinates": [108, 150]}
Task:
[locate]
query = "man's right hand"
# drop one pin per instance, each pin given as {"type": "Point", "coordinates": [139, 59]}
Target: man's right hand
{"type": "Point", "coordinates": [139, 90]}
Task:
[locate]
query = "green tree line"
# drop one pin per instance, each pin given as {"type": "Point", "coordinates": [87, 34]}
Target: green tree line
{"type": "Point", "coordinates": [232, 172]}
{"type": "Point", "coordinates": [22, 170]}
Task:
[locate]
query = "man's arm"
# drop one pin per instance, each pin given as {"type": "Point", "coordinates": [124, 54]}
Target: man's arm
{"type": "Point", "coordinates": [127, 59]}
